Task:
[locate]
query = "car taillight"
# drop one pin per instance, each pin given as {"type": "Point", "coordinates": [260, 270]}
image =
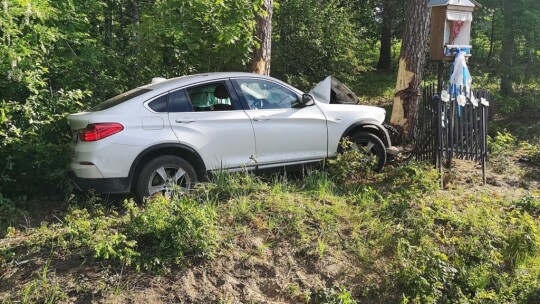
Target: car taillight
{"type": "Point", "coordinates": [98, 131]}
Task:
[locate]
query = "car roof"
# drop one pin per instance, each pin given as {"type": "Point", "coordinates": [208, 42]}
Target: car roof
{"type": "Point", "coordinates": [173, 83]}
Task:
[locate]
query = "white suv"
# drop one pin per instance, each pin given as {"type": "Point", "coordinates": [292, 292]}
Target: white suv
{"type": "Point", "coordinates": [171, 133]}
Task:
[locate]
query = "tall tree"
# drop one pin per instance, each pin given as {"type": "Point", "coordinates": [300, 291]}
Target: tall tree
{"type": "Point", "coordinates": [507, 53]}
{"type": "Point", "coordinates": [385, 52]}
{"type": "Point", "coordinates": [263, 36]}
{"type": "Point", "coordinates": [411, 64]}
{"type": "Point", "coordinates": [316, 38]}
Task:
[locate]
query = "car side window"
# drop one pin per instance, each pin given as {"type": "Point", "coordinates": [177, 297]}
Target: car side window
{"type": "Point", "coordinates": [180, 102]}
{"type": "Point", "coordinates": [210, 97]}
{"type": "Point", "coordinates": [262, 94]}
{"type": "Point", "coordinates": [159, 104]}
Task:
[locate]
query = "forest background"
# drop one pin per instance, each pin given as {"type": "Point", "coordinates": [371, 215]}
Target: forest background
{"type": "Point", "coordinates": [60, 57]}
{"type": "Point", "coordinates": [339, 235]}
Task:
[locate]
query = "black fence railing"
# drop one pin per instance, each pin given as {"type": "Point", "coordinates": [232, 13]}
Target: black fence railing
{"type": "Point", "coordinates": [447, 130]}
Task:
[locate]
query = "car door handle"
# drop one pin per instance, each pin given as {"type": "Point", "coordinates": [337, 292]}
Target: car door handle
{"type": "Point", "coordinates": [339, 118]}
{"type": "Point", "coordinates": [261, 118]}
{"type": "Point", "coordinates": [185, 121]}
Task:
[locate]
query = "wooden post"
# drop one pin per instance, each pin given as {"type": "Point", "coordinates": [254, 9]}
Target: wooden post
{"type": "Point", "coordinates": [440, 77]}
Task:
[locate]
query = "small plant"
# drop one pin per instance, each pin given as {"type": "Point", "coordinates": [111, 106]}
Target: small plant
{"type": "Point", "coordinates": [501, 148]}
{"type": "Point", "coordinates": [227, 185]}
{"type": "Point", "coordinates": [533, 152]}
{"type": "Point", "coordinates": [529, 203]}
{"type": "Point", "coordinates": [172, 231]}
{"type": "Point", "coordinates": [8, 213]}
{"type": "Point", "coordinates": [352, 165]}
{"type": "Point", "coordinates": [330, 296]}
{"type": "Point", "coordinates": [115, 246]}
{"type": "Point", "coordinates": [43, 289]}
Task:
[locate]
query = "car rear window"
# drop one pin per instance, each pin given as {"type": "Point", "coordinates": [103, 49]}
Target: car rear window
{"type": "Point", "coordinates": [109, 103]}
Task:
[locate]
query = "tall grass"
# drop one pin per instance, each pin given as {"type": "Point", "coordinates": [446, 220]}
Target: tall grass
{"type": "Point", "coordinates": [408, 241]}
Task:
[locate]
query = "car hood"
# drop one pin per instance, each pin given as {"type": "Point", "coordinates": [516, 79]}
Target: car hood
{"type": "Point", "coordinates": [331, 90]}
{"type": "Point", "coordinates": [352, 113]}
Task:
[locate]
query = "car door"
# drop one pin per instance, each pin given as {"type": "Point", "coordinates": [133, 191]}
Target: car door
{"type": "Point", "coordinates": [284, 132]}
{"type": "Point", "coordinates": [210, 119]}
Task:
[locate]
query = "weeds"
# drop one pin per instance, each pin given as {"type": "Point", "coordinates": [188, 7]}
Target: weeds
{"type": "Point", "coordinates": [532, 152]}
{"type": "Point", "coordinates": [405, 239]}
{"type": "Point", "coordinates": [352, 165]}
{"type": "Point", "coordinates": [8, 214]}
{"type": "Point", "coordinates": [43, 289]}
{"type": "Point", "coordinates": [330, 296]}
{"type": "Point", "coordinates": [501, 148]}
{"type": "Point", "coordinates": [172, 231]}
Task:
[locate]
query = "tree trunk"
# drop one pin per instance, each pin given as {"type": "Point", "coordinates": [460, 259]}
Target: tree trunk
{"type": "Point", "coordinates": [108, 28]}
{"type": "Point", "coordinates": [491, 38]}
{"type": "Point", "coordinates": [507, 52]}
{"type": "Point", "coordinates": [135, 16]}
{"type": "Point", "coordinates": [385, 52]}
{"type": "Point", "coordinates": [260, 62]}
{"type": "Point", "coordinates": [411, 65]}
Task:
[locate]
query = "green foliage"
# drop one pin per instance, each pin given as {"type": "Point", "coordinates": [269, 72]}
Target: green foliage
{"type": "Point", "coordinates": [410, 241]}
{"type": "Point", "coordinates": [351, 166]}
{"type": "Point", "coordinates": [454, 254]}
{"type": "Point", "coordinates": [409, 180]}
{"type": "Point", "coordinates": [424, 271]}
{"type": "Point", "coordinates": [394, 230]}
{"type": "Point", "coordinates": [43, 289]}
{"type": "Point", "coordinates": [529, 204]}
{"type": "Point", "coordinates": [533, 152]}
{"type": "Point", "coordinates": [314, 39]}
{"type": "Point", "coordinates": [501, 149]}
{"type": "Point", "coordinates": [225, 186]}
{"type": "Point", "coordinates": [8, 214]}
{"type": "Point", "coordinates": [330, 296]}
{"type": "Point", "coordinates": [44, 44]}
{"type": "Point", "coordinates": [211, 36]}
{"type": "Point", "coordinates": [152, 237]}
{"type": "Point", "coordinates": [172, 231]}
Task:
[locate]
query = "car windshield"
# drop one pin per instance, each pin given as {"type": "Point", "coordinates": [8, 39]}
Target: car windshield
{"type": "Point", "coordinates": [109, 103]}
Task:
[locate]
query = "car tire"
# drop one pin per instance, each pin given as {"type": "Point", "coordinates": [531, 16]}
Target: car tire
{"type": "Point", "coordinates": [164, 175]}
{"type": "Point", "coordinates": [374, 146]}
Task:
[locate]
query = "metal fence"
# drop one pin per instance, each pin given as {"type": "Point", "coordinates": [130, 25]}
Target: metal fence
{"type": "Point", "coordinates": [446, 130]}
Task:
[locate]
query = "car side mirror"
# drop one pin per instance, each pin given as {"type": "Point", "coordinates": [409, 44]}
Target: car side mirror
{"type": "Point", "coordinates": [307, 100]}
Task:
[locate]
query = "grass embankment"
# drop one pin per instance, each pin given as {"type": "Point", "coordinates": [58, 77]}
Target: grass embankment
{"type": "Point", "coordinates": [331, 236]}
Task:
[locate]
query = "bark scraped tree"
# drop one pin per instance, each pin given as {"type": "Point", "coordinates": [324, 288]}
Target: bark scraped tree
{"type": "Point", "coordinates": [260, 63]}
{"type": "Point", "coordinates": [411, 65]}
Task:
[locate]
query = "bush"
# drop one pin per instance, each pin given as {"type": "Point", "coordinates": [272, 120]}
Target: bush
{"type": "Point", "coordinates": [454, 254]}
{"type": "Point", "coordinates": [533, 153]}
{"type": "Point", "coordinates": [152, 237]}
{"type": "Point", "coordinates": [8, 214]}
{"type": "Point", "coordinates": [351, 166]}
{"type": "Point", "coordinates": [501, 148]}
{"type": "Point", "coordinates": [172, 231]}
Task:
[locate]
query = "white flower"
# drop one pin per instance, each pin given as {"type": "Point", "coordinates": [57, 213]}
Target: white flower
{"type": "Point", "coordinates": [462, 100]}
{"type": "Point", "coordinates": [484, 102]}
{"type": "Point", "coordinates": [474, 101]}
{"type": "Point", "coordinates": [445, 96]}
